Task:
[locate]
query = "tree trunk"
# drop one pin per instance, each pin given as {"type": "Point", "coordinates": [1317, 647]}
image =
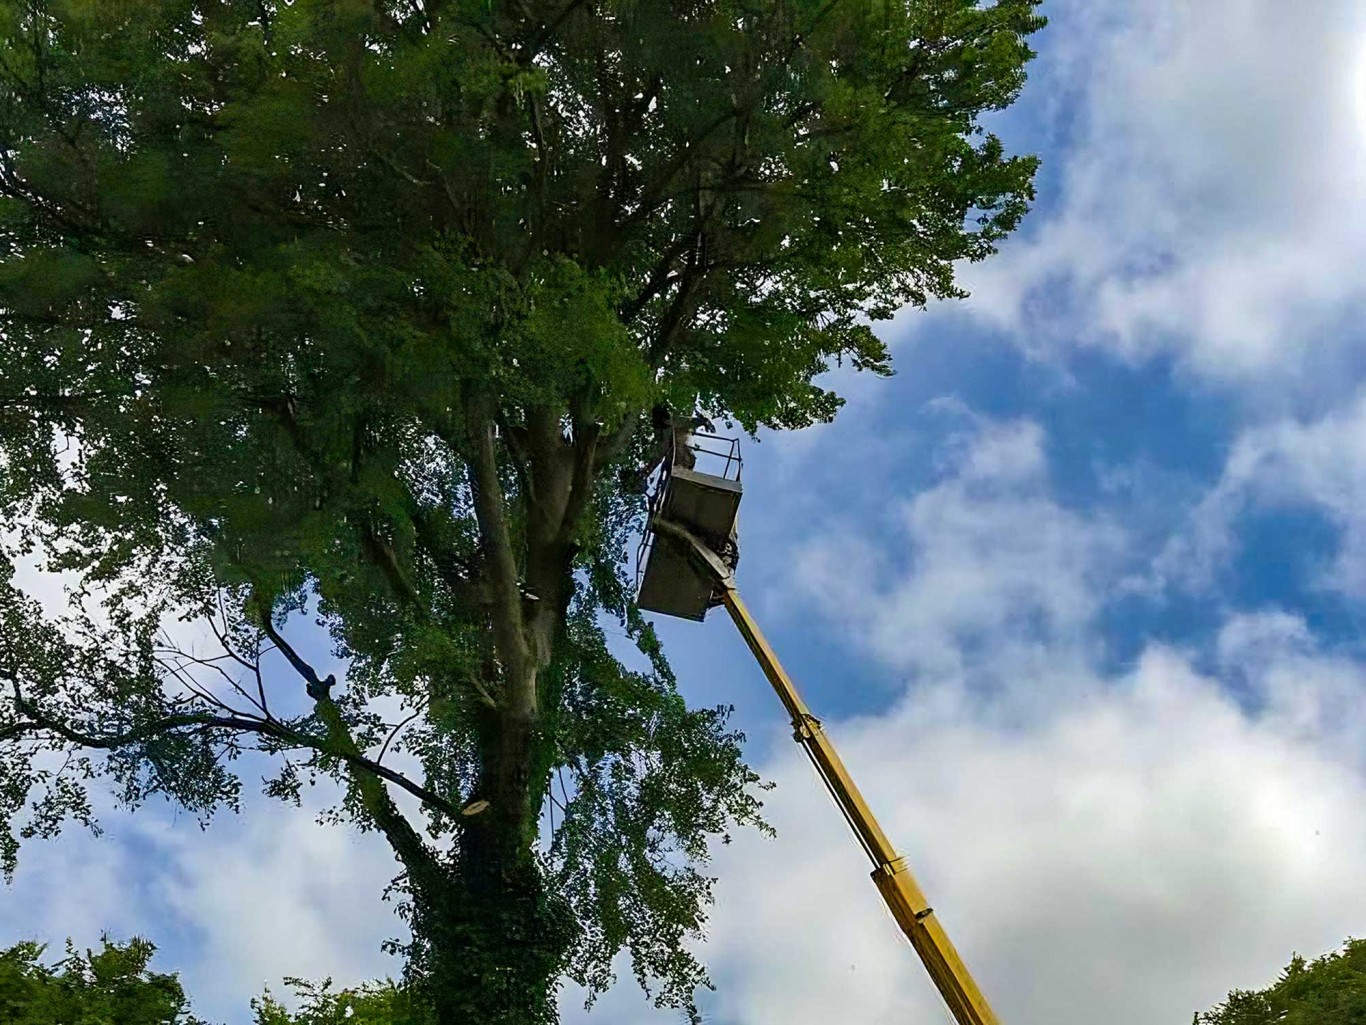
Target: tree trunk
{"type": "Point", "coordinates": [492, 938]}
{"type": "Point", "coordinates": [491, 944]}
{"type": "Point", "coordinates": [495, 937]}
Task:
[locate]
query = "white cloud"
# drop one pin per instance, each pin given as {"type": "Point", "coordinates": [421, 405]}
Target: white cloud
{"type": "Point", "coordinates": [1124, 852]}
{"type": "Point", "coordinates": [987, 552]}
{"type": "Point", "coordinates": [273, 894]}
{"type": "Point", "coordinates": [1212, 158]}
{"type": "Point", "coordinates": [1309, 696]}
{"type": "Point", "coordinates": [1315, 465]}
{"type": "Point", "coordinates": [234, 908]}
{"type": "Point", "coordinates": [74, 887]}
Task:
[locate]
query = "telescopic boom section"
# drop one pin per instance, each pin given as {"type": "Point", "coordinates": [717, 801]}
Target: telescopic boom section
{"type": "Point", "coordinates": [890, 872]}
{"type": "Point", "coordinates": [893, 877]}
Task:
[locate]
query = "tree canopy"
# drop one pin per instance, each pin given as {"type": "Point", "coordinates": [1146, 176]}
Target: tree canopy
{"type": "Point", "coordinates": [319, 1004]}
{"type": "Point", "coordinates": [1330, 990]}
{"type": "Point", "coordinates": [356, 310]}
{"type": "Point", "coordinates": [113, 987]}
{"type": "Point", "coordinates": [117, 986]}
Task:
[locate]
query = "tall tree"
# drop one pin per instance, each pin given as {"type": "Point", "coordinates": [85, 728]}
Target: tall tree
{"type": "Point", "coordinates": [357, 306]}
{"type": "Point", "coordinates": [1330, 990]}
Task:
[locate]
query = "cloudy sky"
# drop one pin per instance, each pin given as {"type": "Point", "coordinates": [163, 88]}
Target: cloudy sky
{"type": "Point", "coordinates": [1079, 594]}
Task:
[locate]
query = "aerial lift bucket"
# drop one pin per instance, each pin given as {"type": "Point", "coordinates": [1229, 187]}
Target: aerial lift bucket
{"type": "Point", "coordinates": [686, 566]}
{"type": "Point", "coordinates": [707, 506]}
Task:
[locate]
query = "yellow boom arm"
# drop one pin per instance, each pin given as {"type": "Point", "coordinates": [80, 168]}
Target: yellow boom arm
{"type": "Point", "coordinates": [890, 872]}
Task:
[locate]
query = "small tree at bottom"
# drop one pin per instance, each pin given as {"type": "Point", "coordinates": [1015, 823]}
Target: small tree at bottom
{"type": "Point", "coordinates": [1330, 990]}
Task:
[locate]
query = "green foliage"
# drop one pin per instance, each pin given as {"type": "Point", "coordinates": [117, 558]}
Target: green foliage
{"type": "Point", "coordinates": [356, 309]}
{"type": "Point", "coordinates": [651, 788]}
{"type": "Point", "coordinates": [116, 986]}
{"type": "Point", "coordinates": [1330, 990]}
{"type": "Point", "coordinates": [112, 987]}
{"type": "Point", "coordinates": [373, 1004]}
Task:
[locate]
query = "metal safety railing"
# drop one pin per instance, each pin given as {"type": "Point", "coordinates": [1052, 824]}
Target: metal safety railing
{"type": "Point", "coordinates": [717, 447]}
{"type": "Point", "coordinates": [710, 452]}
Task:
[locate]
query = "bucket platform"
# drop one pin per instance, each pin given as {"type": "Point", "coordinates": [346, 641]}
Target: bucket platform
{"type": "Point", "coordinates": [704, 504]}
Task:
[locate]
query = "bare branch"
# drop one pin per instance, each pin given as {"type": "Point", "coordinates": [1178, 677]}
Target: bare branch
{"type": "Point", "coordinates": [36, 722]}
{"type": "Point", "coordinates": [396, 730]}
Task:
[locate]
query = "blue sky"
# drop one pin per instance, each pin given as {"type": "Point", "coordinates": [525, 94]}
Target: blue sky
{"type": "Point", "coordinates": [1079, 592]}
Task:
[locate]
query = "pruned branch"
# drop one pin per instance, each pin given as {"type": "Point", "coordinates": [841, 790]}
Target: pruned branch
{"type": "Point", "coordinates": [404, 839]}
{"type": "Point", "coordinates": [318, 690]}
